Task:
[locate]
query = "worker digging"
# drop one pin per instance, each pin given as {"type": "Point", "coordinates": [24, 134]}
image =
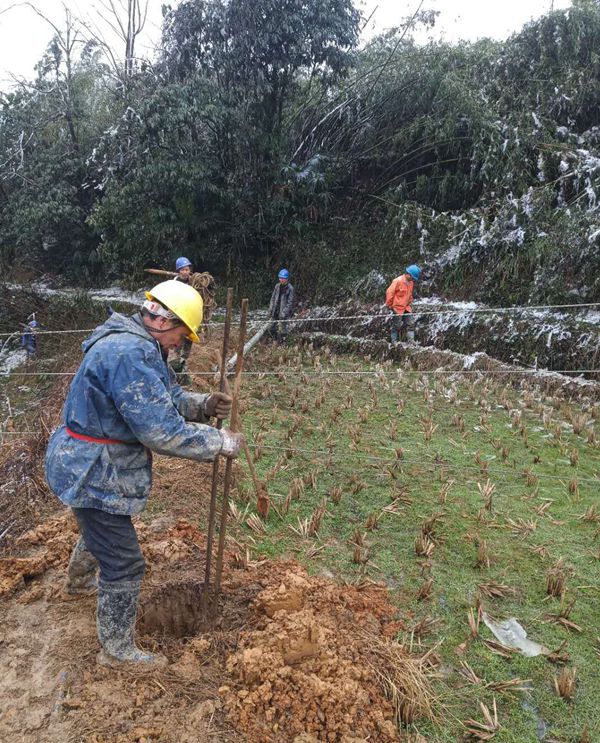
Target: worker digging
{"type": "Point", "coordinates": [122, 405]}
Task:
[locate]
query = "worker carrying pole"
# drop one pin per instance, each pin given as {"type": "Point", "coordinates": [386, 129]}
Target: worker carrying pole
{"type": "Point", "coordinates": [122, 405]}
{"type": "Point", "coordinates": [204, 283]}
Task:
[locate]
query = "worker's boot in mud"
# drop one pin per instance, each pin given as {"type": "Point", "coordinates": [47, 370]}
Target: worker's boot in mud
{"type": "Point", "coordinates": [81, 573]}
{"type": "Point", "coordinates": [115, 620]}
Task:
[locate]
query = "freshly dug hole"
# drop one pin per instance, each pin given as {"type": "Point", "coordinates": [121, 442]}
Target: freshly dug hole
{"type": "Point", "coordinates": [173, 610]}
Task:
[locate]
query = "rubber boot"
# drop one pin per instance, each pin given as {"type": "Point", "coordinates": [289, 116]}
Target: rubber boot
{"type": "Point", "coordinates": [115, 620]}
{"type": "Point", "coordinates": [410, 336]}
{"type": "Point", "coordinates": [394, 335]}
{"type": "Point", "coordinates": [81, 573]}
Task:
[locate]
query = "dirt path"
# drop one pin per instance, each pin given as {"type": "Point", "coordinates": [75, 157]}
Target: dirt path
{"type": "Point", "coordinates": [289, 658]}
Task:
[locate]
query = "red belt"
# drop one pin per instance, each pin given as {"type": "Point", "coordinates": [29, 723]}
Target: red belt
{"type": "Point", "coordinates": [96, 440]}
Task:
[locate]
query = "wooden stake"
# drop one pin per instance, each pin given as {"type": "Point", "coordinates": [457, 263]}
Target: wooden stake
{"type": "Point", "coordinates": [229, 465]}
{"type": "Point", "coordinates": [215, 471]}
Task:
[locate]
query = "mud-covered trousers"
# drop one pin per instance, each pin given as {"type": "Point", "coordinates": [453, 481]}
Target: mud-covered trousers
{"type": "Point", "coordinates": [279, 329]}
{"type": "Point", "coordinates": [113, 542]}
{"type": "Point", "coordinates": [399, 322]}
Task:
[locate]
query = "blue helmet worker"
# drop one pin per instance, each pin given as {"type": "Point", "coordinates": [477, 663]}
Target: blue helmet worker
{"type": "Point", "coordinates": [281, 307]}
{"type": "Point", "coordinates": [29, 339]}
{"type": "Point", "coordinates": [183, 269]}
{"type": "Point", "coordinates": [398, 298]}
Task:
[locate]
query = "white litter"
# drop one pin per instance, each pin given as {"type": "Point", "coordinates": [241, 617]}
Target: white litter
{"type": "Point", "coordinates": [512, 634]}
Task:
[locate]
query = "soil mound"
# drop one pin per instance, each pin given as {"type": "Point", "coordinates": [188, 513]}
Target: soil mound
{"type": "Point", "coordinates": [290, 657]}
{"type": "Point", "coordinates": [305, 668]}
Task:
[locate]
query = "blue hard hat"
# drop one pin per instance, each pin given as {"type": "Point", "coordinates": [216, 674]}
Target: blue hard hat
{"type": "Point", "coordinates": [283, 274]}
{"type": "Point", "coordinates": [182, 263]}
{"type": "Point", "coordinates": [414, 271]}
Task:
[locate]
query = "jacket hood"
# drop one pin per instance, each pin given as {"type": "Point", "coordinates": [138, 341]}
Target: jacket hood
{"type": "Point", "coordinates": [118, 323]}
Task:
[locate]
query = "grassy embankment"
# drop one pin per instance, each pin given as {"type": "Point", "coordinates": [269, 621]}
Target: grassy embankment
{"type": "Point", "coordinates": [508, 488]}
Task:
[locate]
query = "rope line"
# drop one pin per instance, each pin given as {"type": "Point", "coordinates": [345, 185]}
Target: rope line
{"type": "Point", "coordinates": [501, 471]}
{"type": "Point", "coordinates": [385, 315]}
{"type": "Point", "coordinates": [323, 373]}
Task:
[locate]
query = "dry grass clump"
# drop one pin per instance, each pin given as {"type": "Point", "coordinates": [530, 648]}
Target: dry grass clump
{"type": "Point", "coordinates": [474, 620]}
{"type": "Point", "coordinates": [425, 590]}
{"type": "Point", "coordinates": [563, 616]}
{"type": "Point", "coordinates": [405, 679]}
{"type": "Point", "coordinates": [498, 648]}
{"type": "Point", "coordinates": [425, 626]}
{"type": "Point", "coordinates": [573, 487]}
{"type": "Point", "coordinates": [360, 548]}
{"type": "Point", "coordinates": [486, 730]}
{"type": "Point", "coordinates": [530, 477]}
{"type": "Point", "coordinates": [336, 494]}
{"type": "Point", "coordinates": [494, 590]}
{"type": "Point", "coordinates": [565, 682]}
{"type": "Point", "coordinates": [429, 428]}
{"type": "Point", "coordinates": [556, 579]}
{"type": "Point", "coordinates": [373, 520]}
{"type": "Point", "coordinates": [559, 656]}
{"type": "Point", "coordinates": [579, 422]}
{"type": "Point", "coordinates": [316, 518]}
{"type": "Point", "coordinates": [509, 687]}
{"type": "Point", "coordinates": [483, 556]}
{"type": "Point", "coordinates": [296, 488]}
{"type": "Point", "coordinates": [254, 523]}
{"type": "Point", "coordinates": [591, 514]}
{"type": "Point", "coordinates": [310, 479]}
{"type": "Point", "coordinates": [521, 527]}
{"type": "Point", "coordinates": [445, 491]}
{"type": "Point", "coordinates": [487, 493]}
{"type": "Point", "coordinates": [424, 545]}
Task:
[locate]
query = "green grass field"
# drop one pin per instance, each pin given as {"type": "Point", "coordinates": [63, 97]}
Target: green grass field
{"type": "Point", "coordinates": [492, 482]}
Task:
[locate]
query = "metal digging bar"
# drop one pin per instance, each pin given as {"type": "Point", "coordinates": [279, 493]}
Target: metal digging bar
{"type": "Point", "coordinates": [229, 465]}
{"type": "Point", "coordinates": [215, 471]}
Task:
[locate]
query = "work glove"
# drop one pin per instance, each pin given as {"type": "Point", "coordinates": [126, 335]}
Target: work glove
{"type": "Point", "coordinates": [232, 443]}
{"type": "Point", "coordinates": [218, 405]}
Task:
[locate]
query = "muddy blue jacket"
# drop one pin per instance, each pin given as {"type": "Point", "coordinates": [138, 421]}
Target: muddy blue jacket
{"type": "Point", "coordinates": [123, 390]}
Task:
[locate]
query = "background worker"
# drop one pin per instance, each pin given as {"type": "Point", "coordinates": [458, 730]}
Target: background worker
{"type": "Point", "coordinates": [29, 339]}
{"type": "Point", "coordinates": [180, 356]}
{"type": "Point", "coordinates": [281, 307]}
{"type": "Point", "coordinates": [183, 269]}
{"type": "Point", "coordinates": [122, 405]}
{"type": "Point", "coordinates": [398, 298]}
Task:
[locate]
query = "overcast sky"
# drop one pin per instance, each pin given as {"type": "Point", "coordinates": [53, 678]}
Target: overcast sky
{"type": "Point", "coordinates": [24, 36]}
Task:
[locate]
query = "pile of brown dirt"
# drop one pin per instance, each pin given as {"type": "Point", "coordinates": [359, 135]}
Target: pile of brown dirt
{"type": "Point", "coordinates": [305, 667]}
{"type": "Point", "coordinates": [289, 654]}
{"type": "Point", "coordinates": [56, 538]}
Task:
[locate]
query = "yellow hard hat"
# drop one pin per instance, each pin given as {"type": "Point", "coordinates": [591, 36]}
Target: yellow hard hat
{"type": "Point", "coordinates": [183, 301]}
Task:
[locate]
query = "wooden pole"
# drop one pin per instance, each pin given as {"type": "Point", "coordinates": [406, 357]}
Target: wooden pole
{"type": "Point", "coordinates": [251, 343]}
{"type": "Point", "coordinates": [215, 471]}
{"type": "Point", "coordinates": [229, 465]}
{"type": "Point", "coordinates": [160, 272]}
